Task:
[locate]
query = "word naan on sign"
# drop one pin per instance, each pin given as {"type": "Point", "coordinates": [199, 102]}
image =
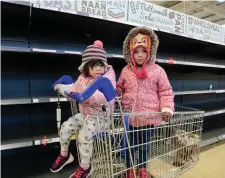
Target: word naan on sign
{"type": "Point", "coordinates": [94, 7]}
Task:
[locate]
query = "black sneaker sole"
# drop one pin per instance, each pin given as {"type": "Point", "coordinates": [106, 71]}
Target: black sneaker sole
{"type": "Point", "coordinates": [70, 160]}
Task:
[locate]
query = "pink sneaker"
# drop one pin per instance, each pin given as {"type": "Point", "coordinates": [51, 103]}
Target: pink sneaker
{"type": "Point", "coordinates": [130, 173]}
{"type": "Point", "coordinates": [143, 173]}
{"type": "Point", "coordinates": [60, 162]}
{"type": "Point", "coordinates": [81, 173]}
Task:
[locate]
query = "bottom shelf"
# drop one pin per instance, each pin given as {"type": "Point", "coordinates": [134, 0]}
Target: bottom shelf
{"type": "Point", "coordinates": [212, 136]}
{"type": "Point", "coordinates": [215, 112]}
{"type": "Point", "coordinates": [37, 164]}
{"type": "Point", "coordinates": [208, 138]}
{"type": "Point", "coordinates": [16, 143]}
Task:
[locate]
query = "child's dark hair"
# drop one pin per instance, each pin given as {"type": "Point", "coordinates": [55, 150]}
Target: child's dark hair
{"type": "Point", "coordinates": [92, 64]}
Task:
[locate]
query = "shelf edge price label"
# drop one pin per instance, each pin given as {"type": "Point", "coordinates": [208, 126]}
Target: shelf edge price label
{"type": "Point", "coordinates": [218, 112]}
{"type": "Point", "coordinates": [43, 50]}
{"type": "Point", "coordinates": [35, 100]}
{"type": "Point", "coordinates": [53, 99]}
{"type": "Point", "coordinates": [72, 52]}
{"type": "Point", "coordinates": [170, 60]}
{"type": "Point", "coordinates": [44, 141]}
{"type": "Point", "coordinates": [220, 91]}
{"type": "Point", "coordinates": [117, 56]}
{"type": "Point", "coordinates": [63, 99]}
{"type": "Point", "coordinates": [221, 137]}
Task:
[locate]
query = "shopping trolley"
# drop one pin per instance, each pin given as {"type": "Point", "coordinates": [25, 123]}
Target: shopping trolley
{"type": "Point", "coordinates": [172, 148]}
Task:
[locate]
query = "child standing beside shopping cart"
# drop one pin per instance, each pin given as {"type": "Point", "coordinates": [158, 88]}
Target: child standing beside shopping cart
{"type": "Point", "coordinates": [94, 64]}
{"type": "Point", "coordinates": [144, 87]}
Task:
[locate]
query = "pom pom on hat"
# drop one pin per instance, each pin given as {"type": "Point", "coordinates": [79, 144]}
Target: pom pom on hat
{"type": "Point", "coordinates": [98, 43]}
{"type": "Point", "coordinates": [95, 51]}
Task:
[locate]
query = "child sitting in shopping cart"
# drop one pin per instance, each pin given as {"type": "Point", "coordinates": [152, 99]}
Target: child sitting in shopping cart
{"type": "Point", "coordinates": [144, 87]}
{"type": "Point", "coordinates": [94, 64]}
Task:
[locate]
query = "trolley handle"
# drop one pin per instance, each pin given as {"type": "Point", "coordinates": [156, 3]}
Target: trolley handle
{"type": "Point", "coordinates": [102, 84]}
{"type": "Point", "coordinates": [66, 79]}
{"type": "Point", "coordinates": [164, 123]}
{"type": "Point", "coordinates": [172, 120]}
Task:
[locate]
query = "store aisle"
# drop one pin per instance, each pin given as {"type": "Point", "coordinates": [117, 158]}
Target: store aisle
{"type": "Point", "coordinates": [211, 163]}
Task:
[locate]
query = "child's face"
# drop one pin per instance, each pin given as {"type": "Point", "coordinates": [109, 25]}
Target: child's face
{"type": "Point", "coordinates": [140, 54]}
{"type": "Point", "coordinates": [97, 71]}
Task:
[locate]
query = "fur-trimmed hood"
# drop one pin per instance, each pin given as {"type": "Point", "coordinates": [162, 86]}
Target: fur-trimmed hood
{"type": "Point", "coordinates": [133, 33]}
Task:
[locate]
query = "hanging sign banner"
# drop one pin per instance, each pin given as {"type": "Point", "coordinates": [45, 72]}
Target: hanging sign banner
{"type": "Point", "coordinates": [58, 5]}
{"type": "Point", "coordinates": [156, 17]}
{"type": "Point", "coordinates": [115, 10]}
{"type": "Point", "coordinates": [203, 30]}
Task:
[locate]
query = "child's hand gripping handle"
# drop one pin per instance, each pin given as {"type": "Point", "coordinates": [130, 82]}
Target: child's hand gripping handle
{"type": "Point", "coordinates": [102, 84]}
{"type": "Point", "coordinates": [63, 80]}
{"type": "Point", "coordinates": [66, 79]}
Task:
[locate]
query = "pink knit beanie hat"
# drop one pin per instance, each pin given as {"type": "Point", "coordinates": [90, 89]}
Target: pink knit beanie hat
{"type": "Point", "coordinates": [95, 51]}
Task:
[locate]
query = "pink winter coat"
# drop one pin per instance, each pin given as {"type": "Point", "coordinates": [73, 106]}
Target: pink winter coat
{"type": "Point", "coordinates": [153, 94]}
{"type": "Point", "coordinates": [97, 98]}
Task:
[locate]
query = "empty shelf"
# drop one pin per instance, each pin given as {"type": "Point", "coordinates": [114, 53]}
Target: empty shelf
{"type": "Point", "coordinates": [215, 112]}
{"type": "Point", "coordinates": [61, 49]}
{"type": "Point", "coordinates": [54, 51]}
{"type": "Point", "coordinates": [53, 99]}
{"type": "Point", "coordinates": [14, 101]}
{"type": "Point", "coordinates": [209, 137]}
{"type": "Point", "coordinates": [113, 54]}
{"type": "Point", "coordinates": [213, 136]}
{"type": "Point", "coordinates": [17, 143]}
{"type": "Point", "coordinates": [46, 139]}
{"type": "Point", "coordinates": [190, 63]}
{"type": "Point", "coordinates": [15, 49]}
{"type": "Point", "coordinates": [198, 92]}
{"type": "Point", "coordinates": [48, 99]}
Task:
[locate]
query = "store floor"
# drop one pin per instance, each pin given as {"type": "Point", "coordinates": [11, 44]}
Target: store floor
{"type": "Point", "coordinates": [211, 163]}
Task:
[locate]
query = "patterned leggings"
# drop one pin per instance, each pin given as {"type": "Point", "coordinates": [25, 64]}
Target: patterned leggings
{"type": "Point", "coordinates": [87, 128]}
